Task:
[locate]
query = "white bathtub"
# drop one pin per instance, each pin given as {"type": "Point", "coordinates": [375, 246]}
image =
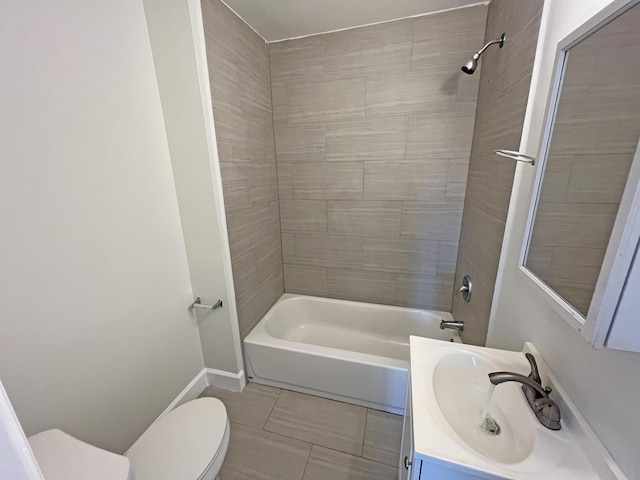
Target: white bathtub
{"type": "Point", "coordinates": [348, 351]}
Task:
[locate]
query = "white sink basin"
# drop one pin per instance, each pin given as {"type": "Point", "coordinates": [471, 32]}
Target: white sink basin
{"type": "Point", "coordinates": [450, 384]}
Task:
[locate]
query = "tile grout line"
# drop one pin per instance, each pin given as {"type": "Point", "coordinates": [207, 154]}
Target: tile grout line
{"type": "Point", "coordinates": [306, 465]}
{"type": "Point", "coordinates": [272, 408]}
{"type": "Point", "coordinates": [364, 432]}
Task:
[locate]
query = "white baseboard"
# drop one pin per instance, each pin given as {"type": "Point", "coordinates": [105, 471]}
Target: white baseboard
{"type": "Point", "coordinates": [226, 380]}
{"type": "Point", "coordinates": [207, 377]}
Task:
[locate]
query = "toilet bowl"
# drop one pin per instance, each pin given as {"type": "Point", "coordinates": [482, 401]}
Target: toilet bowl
{"type": "Point", "coordinates": [188, 443]}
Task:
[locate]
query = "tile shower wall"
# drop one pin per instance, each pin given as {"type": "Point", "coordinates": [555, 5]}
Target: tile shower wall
{"type": "Point", "coordinates": [504, 88]}
{"type": "Point", "coordinates": [373, 133]}
{"type": "Point", "coordinates": [241, 95]}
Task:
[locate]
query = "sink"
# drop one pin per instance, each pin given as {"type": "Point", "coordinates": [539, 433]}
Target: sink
{"type": "Point", "coordinates": [462, 402]}
{"type": "Point", "coordinates": [449, 391]}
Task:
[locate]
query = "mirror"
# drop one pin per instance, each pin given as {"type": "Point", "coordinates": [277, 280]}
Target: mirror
{"type": "Point", "coordinates": [588, 154]}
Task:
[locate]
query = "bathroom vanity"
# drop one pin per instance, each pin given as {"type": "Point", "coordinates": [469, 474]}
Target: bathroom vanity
{"type": "Point", "coordinates": [447, 436]}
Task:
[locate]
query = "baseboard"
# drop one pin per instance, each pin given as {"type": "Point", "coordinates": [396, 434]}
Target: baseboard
{"type": "Point", "coordinates": [190, 392]}
{"type": "Point", "coordinates": [226, 380]}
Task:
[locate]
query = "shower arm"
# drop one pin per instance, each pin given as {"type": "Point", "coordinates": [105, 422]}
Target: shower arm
{"type": "Point", "coordinates": [492, 42]}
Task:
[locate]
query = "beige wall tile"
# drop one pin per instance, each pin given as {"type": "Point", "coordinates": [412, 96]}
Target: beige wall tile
{"type": "Point", "coordinates": [252, 308]}
{"type": "Point", "coordinates": [269, 257]}
{"type": "Point", "coordinates": [300, 143]}
{"type": "Point", "coordinates": [429, 292]}
{"type": "Point", "coordinates": [303, 216]}
{"type": "Point", "coordinates": [245, 274]}
{"type": "Point", "coordinates": [329, 251]}
{"type": "Point", "coordinates": [328, 181]}
{"type": "Point", "coordinates": [369, 139]}
{"type": "Point", "coordinates": [403, 255]}
{"type": "Point", "coordinates": [432, 221]}
{"type": "Point", "coordinates": [367, 218]}
{"type": "Point", "coordinates": [305, 280]}
{"type": "Point", "coordinates": [410, 93]}
{"type": "Point", "coordinates": [385, 46]}
{"type": "Point", "coordinates": [293, 59]}
{"type": "Point", "coordinates": [499, 124]}
{"type": "Point", "coordinates": [363, 286]}
{"type": "Point", "coordinates": [325, 99]}
{"type": "Point", "coordinates": [481, 239]}
{"type": "Point", "coordinates": [285, 180]}
{"type": "Point", "coordinates": [426, 180]}
{"type": "Point", "coordinates": [445, 135]}
{"type": "Point", "coordinates": [288, 247]}
{"type": "Point", "coordinates": [447, 258]}
{"type": "Point", "coordinates": [457, 172]}
{"type": "Point", "coordinates": [246, 228]}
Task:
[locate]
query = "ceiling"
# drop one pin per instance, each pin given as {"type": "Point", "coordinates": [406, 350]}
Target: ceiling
{"type": "Point", "coordinates": [282, 19]}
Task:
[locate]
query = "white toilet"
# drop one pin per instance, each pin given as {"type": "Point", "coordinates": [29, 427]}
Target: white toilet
{"type": "Point", "coordinates": [188, 443]}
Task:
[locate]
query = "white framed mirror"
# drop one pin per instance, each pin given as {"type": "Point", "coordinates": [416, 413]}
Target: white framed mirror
{"type": "Point", "coordinates": [584, 220]}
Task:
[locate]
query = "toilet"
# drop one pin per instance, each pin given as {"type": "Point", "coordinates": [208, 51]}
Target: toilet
{"type": "Point", "coordinates": [188, 443]}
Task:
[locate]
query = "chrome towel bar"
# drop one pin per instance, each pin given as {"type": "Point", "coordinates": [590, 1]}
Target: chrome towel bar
{"type": "Point", "coordinates": [198, 304]}
{"type": "Point", "coordinates": [517, 156]}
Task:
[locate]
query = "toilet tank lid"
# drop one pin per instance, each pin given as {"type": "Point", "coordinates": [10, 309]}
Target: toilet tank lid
{"type": "Point", "coordinates": [63, 457]}
{"type": "Point", "coordinates": [181, 444]}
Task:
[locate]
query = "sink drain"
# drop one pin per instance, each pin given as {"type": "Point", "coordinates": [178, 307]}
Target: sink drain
{"type": "Point", "coordinates": [490, 426]}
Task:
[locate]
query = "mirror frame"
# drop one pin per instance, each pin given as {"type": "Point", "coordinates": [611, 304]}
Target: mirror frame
{"type": "Point", "coordinates": [626, 231]}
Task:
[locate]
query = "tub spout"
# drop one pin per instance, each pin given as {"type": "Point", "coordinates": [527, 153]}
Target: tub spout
{"type": "Point", "coordinates": [452, 325]}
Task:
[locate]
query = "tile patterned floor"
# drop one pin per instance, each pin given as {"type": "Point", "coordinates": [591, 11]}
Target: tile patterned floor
{"type": "Point", "coordinates": [283, 435]}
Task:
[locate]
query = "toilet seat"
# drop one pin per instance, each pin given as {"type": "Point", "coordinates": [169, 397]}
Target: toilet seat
{"type": "Point", "coordinates": [189, 443]}
{"type": "Point", "coordinates": [63, 457]}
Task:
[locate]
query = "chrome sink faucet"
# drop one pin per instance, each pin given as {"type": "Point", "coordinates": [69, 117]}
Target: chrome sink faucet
{"type": "Point", "coordinates": [546, 410]}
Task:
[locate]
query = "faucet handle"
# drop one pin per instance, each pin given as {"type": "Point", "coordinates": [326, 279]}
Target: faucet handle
{"type": "Point", "coordinates": [534, 375]}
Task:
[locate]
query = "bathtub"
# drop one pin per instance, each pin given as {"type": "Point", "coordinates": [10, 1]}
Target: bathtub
{"type": "Point", "coordinates": [349, 351]}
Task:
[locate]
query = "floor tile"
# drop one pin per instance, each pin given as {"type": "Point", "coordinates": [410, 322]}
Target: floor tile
{"type": "Point", "coordinates": [258, 455]}
{"type": "Point", "coordinates": [325, 464]}
{"type": "Point", "coordinates": [382, 437]}
{"type": "Point", "coordinates": [319, 421]}
{"type": "Point", "coordinates": [250, 407]}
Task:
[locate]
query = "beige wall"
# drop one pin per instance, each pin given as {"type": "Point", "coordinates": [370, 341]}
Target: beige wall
{"type": "Point", "coordinates": [504, 88]}
{"type": "Point", "coordinates": [95, 333]}
{"type": "Point", "coordinates": [176, 53]}
{"type": "Point", "coordinates": [241, 95]}
{"type": "Point", "coordinates": [373, 130]}
{"type": "Point", "coordinates": [596, 133]}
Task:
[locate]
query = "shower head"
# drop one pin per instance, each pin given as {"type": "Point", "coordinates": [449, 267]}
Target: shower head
{"type": "Point", "coordinates": [472, 64]}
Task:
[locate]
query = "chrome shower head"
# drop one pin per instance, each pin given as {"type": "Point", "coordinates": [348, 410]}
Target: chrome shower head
{"type": "Point", "coordinates": [472, 64]}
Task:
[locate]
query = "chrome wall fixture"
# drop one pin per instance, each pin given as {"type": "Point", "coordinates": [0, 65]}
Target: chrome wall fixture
{"type": "Point", "coordinates": [198, 304]}
{"type": "Point", "coordinates": [465, 289]}
{"type": "Point", "coordinates": [472, 64]}
{"type": "Point", "coordinates": [517, 156]}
